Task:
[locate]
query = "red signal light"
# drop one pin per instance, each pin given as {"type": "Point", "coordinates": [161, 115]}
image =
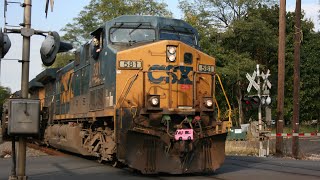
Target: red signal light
{"type": "Point", "coordinates": [251, 101]}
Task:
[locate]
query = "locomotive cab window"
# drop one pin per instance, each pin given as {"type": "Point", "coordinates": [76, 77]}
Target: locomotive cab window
{"type": "Point", "coordinates": [132, 33]}
{"type": "Point", "coordinates": [175, 34]}
{"type": "Point", "coordinates": [97, 43]}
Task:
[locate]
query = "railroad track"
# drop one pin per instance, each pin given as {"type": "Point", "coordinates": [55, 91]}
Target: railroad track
{"type": "Point", "coordinates": [56, 152]}
{"type": "Point", "coordinates": [133, 172]}
{"type": "Point", "coordinates": [46, 150]}
{"type": "Point", "coordinates": [233, 165]}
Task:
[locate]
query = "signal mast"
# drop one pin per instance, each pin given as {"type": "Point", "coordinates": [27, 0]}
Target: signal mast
{"type": "Point", "coordinates": [22, 124]}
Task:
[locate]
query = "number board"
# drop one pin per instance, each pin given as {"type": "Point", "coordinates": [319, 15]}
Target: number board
{"type": "Point", "coordinates": [206, 68]}
{"type": "Point", "coordinates": [130, 64]}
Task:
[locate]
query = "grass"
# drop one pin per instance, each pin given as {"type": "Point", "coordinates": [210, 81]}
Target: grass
{"type": "Point", "coordinates": [302, 129]}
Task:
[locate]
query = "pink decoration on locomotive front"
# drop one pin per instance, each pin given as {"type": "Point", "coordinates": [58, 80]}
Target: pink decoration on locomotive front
{"type": "Point", "coordinates": [183, 134]}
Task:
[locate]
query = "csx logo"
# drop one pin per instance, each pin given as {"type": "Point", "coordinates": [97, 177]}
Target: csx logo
{"type": "Point", "coordinates": [184, 79]}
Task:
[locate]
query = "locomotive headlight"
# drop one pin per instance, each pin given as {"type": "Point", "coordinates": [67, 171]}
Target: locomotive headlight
{"type": "Point", "coordinates": [209, 103]}
{"type": "Point", "coordinates": [171, 53]}
{"type": "Point", "coordinates": [172, 49]}
{"type": "Point", "coordinates": [154, 100]}
{"type": "Point", "coordinates": [172, 58]}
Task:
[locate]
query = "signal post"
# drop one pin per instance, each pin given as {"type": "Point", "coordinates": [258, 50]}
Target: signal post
{"type": "Point", "coordinates": [25, 32]}
{"type": "Point", "coordinates": [260, 99]}
{"type": "Point", "coordinates": [259, 112]}
{"type": "Point", "coordinates": [25, 122]}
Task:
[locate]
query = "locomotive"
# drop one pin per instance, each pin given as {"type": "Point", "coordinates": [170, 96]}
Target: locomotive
{"type": "Point", "coordinates": [140, 92]}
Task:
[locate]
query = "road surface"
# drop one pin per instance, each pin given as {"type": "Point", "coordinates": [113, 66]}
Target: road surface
{"type": "Point", "coordinates": [236, 168]}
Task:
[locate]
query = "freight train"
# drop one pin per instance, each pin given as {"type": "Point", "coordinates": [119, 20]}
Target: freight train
{"type": "Point", "coordinates": [140, 92]}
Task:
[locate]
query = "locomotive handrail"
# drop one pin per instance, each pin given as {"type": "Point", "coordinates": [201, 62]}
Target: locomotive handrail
{"type": "Point", "coordinates": [217, 105]}
{"type": "Point", "coordinates": [169, 84]}
{"type": "Point", "coordinates": [195, 85]}
{"type": "Point", "coordinates": [128, 89]}
{"type": "Point", "coordinates": [225, 95]}
{"type": "Point", "coordinates": [123, 98]}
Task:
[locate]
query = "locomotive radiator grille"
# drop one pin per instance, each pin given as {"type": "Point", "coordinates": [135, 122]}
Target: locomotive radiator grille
{"type": "Point", "coordinates": [96, 99]}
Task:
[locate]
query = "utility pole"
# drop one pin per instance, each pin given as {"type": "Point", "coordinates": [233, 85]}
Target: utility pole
{"type": "Point", "coordinates": [24, 84]}
{"type": "Point", "coordinates": [296, 80]}
{"type": "Point", "coordinates": [281, 76]}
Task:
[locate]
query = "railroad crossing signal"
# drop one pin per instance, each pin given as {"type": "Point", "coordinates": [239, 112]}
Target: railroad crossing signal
{"type": "Point", "coordinates": [252, 81]}
{"type": "Point", "coordinates": [5, 43]}
{"type": "Point", "coordinates": [251, 101]}
{"type": "Point", "coordinates": [266, 83]}
{"type": "Point", "coordinates": [260, 99]}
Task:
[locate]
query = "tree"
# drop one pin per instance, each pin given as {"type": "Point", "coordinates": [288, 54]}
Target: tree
{"type": "Point", "coordinates": [238, 46]}
{"type": "Point", "coordinates": [249, 37]}
{"type": "Point", "coordinates": [99, 11]}
{"type": "Point", "coordinates": [62, 59]}
{"type": "Point", "coordinates": [309, 71]}
{"type": "Point", "coordinates": [199, 19]}
{"type": "Point", "coordinates": [310, 78]}
{"type": "Point", "coordinates": [222, 13]}
{"type": "Point", "coordinates": [5, 93]}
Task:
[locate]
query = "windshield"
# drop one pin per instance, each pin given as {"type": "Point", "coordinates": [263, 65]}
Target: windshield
{"type": "Point", "coordinates": [129, 35]}
{"type": "Point", "coordinates": [174, 35]}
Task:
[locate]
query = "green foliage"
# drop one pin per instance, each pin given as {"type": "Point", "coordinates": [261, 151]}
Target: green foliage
{"type": "Point", "coordinates": [200, 20]}
{"type": "Point", "coordinates": [309, 86]}
{"type": "Point", "coordinates": [254, 34]}
{"type": "Point", "coordinates": [302, 128]}
{"type": "Point", "coordinates": [243, 33]}
{"type": "Point", "coordinates": [5, 93]}
{"type": "Point", "coordinates": [222, 13]}
{"type": "Point", "coordinates": [310, 77]}
{"type": "Point", "coordinates": [99, 11]}
{"type": "Point", "coordinates": [62, 59]}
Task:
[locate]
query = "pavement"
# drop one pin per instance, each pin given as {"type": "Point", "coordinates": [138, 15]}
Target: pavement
{"type": "Point", "coordinates": [65, 167]}
{"type": "Point", "coordinates": [235, 167]}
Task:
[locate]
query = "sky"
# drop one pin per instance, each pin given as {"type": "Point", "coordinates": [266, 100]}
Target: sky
{"type": "Point", "coordinates": [63, 13]}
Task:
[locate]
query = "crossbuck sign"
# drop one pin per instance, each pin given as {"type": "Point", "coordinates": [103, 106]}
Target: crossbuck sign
{"type": "Point", "coordinates": [266, 83]}
{"type": "Point", "coordinates": [252, 81]}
